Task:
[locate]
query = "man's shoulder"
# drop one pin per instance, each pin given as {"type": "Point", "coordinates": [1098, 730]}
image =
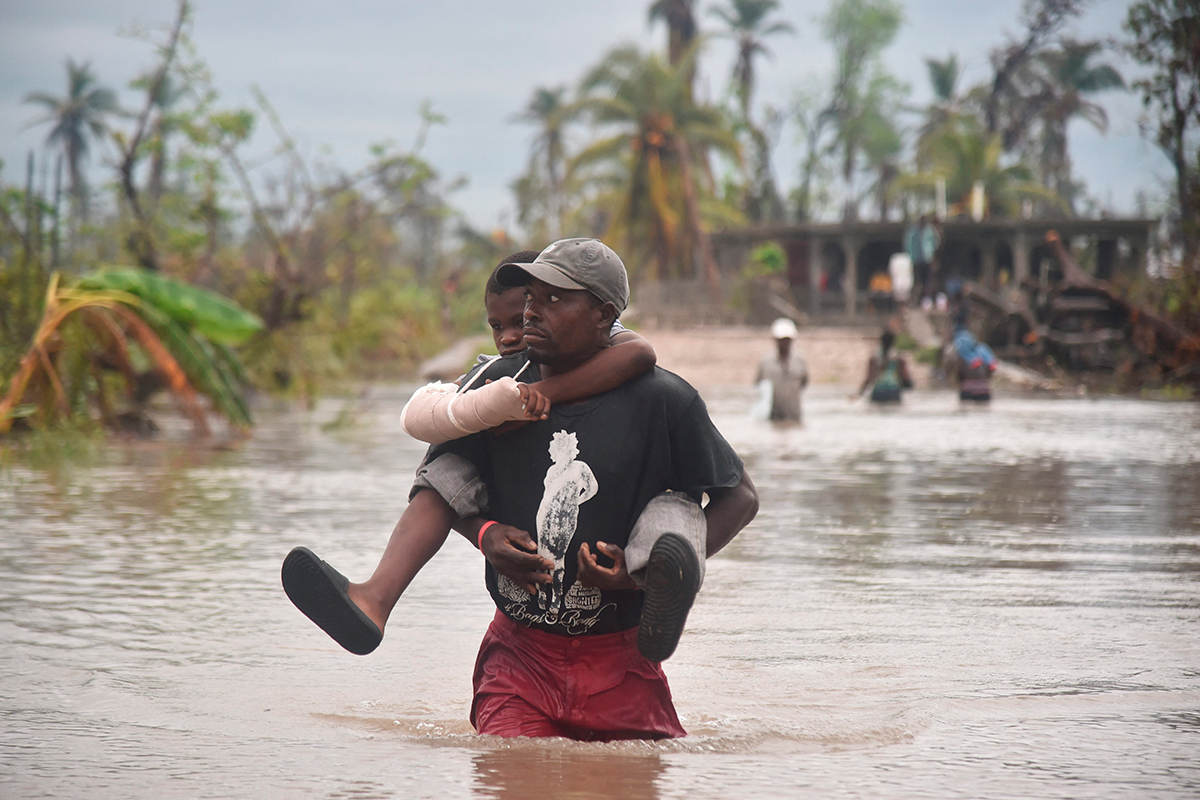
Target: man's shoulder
{"type": "Point", "coordinates": [661, 383]}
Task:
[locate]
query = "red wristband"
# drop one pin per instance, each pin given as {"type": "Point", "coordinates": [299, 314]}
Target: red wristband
{"type": "Point", "coordinates": [485, 526]}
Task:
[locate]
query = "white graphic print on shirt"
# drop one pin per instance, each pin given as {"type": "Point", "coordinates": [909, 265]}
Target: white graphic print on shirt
{"type": "Point", "coordinates": [568, 483]}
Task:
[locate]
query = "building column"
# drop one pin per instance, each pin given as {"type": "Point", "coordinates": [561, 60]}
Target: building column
{"type": "Point", "coordinates": [1140, 245]}
{"type": "Point", "coordinates": [850, 279]}
{"type": "Point", "coordinates": [1106, 259]}
{"type": "Point", "coordinates": [987, 266]}
{"type": "Point", "coordinates": [814, 275]}
{"type": "Point", "coordinates": [1020, 258]}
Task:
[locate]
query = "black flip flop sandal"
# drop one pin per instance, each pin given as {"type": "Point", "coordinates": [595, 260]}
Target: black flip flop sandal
{"type": "Point", "coordinates": [319, 591]}
{"type": "Point", "coordinates": [672, 575]}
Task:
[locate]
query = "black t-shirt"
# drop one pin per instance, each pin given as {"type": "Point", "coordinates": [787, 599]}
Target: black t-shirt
{"type": "Point", "coordinates": [584, 475]}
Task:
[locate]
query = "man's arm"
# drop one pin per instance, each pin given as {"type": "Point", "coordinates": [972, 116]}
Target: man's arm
{"type": "Point", "coordinates": [728, 511]}
{"type": "Point", "coordinates": [628, 356]}
{"type": "Point", "coordinates": [469, 528]}
{"type": "Point", "coordinates": [511, 551]}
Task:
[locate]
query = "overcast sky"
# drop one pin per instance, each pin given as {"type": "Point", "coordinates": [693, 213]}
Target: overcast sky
{"type": "Point", "coordinates": [350, 73]}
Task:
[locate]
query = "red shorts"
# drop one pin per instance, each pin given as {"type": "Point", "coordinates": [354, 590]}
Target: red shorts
{"type": "Point", "coordinates": [591, 688]}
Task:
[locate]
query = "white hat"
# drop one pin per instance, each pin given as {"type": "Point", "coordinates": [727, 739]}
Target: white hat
{"type": "Point", "coordinates": [783, 328]}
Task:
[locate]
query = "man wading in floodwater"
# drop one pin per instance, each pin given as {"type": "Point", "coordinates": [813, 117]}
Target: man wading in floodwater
{"type": "Point", "coordinates": [560, 657]}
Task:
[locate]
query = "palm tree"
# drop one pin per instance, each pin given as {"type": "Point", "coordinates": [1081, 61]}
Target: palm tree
{"type": "Point", "coordinates": [878, 135]}
{"type": "Point", "coordinates": [78, 116]}
{"type": "Point", "coordinates": [550, 113]}
{"type": "Point", "coordinates": [859, 30]}
{"type": "Point", "coordinates": [1069, 76]}
{"type": "Point", "coordinates": [943, 75]}
{"type": "Point", "coordinates": [963, 153]}
{"type": "Point", "coordinates": [681, 31]}
{"type": "Point", "coordinates": [646, 172]}
{"type": "Point", "coordinates": [681, 25]}
{"type": "Point", "coordinates": [747, 23]}
{"type": "Point", "coordinates": [944, 110]}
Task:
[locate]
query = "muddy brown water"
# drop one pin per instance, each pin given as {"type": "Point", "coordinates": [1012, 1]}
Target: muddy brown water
{"type": "Point", "coordinates": [932, 602]}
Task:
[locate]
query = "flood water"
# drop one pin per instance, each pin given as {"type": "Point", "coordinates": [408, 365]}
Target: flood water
{"type": "Point", "coordinates": [931, 603]}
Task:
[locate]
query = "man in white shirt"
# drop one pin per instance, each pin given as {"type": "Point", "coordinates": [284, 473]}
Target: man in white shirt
{"type": "Point", "coordinates": [786, 371]}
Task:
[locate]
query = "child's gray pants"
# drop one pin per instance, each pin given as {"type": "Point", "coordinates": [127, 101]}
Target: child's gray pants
{"type": "Point", "coordinates": [460, 485]}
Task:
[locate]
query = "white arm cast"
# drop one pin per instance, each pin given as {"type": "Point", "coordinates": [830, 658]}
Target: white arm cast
{"type": "Point", "coordinates": [437, 412]}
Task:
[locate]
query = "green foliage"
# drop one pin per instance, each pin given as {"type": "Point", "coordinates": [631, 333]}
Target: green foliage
{"type": "Point", "coordinates": [943, 75]}
{"type": "Point", "coordinates": [961, 153]}
{"type": "Point", "coordinates": [125, 330]}
{"type": "Point", "coordinates": [1165, 33]}
{"type": "Point", "coordinates": [541, 191]}
{"type": "Point", "coordinates": [368, 272]}
{"type": "Point", "coordinates": [214, 317]}
{"type": "Point", "coordinates": [865, 101]}
{"type": "Point", "coordinates": [646, 173]}
{"type": "Point", "coordinates": [211, 367]}
{"type": "Point", "coordinates": [927, 355]}
{"type": "Point", "coordinates": [766, 259]}
{"type": "Point", "coordinates": [75, 442]}
{"type": "Point", "coordinates": [236, 125]}
{"type": "Point", "coordinates": [28, 240]}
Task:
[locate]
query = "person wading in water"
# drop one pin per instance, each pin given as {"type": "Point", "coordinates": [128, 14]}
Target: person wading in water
{"type": "Point", "coordinates": [887, 373]}
{"type": "Point", "coordinates": [561, 657]}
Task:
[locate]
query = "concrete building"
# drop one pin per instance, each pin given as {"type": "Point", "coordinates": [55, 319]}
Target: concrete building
{"type": "Point", "coordinates": [829, 265]}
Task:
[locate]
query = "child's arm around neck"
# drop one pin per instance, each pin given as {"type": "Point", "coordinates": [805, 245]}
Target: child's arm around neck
{"type": "Point", "coordinates": [627, 356]}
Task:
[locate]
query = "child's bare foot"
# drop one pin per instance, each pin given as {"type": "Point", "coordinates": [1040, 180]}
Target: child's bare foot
{"type": "Point", "coordinates": [368, 604]}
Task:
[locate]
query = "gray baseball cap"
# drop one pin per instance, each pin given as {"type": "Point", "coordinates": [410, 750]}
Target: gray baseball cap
{"type": "Point", "coordinates": [575, 264]}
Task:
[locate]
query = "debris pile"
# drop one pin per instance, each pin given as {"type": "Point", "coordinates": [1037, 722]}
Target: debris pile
{"type": "Point", "coordinates": [1083, 326]}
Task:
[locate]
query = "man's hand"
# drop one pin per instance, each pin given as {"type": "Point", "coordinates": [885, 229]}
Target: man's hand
{"type": "Point", "coordinates": [537, 405]}
{"type": "Point", "coordinates": [607, 578]}
{"type": "Point", "coordinates": [513, 553]}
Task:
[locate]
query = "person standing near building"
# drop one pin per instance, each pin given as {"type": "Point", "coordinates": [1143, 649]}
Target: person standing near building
{"type": "Point", "coordinates": [921, 242]}
{"type": "Point", "coordinates": [900, 268]}
{"type": "Point", "coordinates": [785, 371]}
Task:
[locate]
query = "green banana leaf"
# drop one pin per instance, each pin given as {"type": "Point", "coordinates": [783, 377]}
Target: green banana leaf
{"type": "Point", "coordinates": [229, 371]}
{"type": "Point", "coordinates": [215, 317]}
{"type": "Point", "coordinates": [231, 364]}
{"type": "Point", "coordinates": [208, 371]}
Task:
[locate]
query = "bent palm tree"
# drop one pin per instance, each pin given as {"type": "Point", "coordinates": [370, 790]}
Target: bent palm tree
{"type": "Point", "coordinates": [647, 170]}
{"type": "Point", "coordinates": [183, 331]}
{"type": "Point", "coordinates": [78, 116]}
